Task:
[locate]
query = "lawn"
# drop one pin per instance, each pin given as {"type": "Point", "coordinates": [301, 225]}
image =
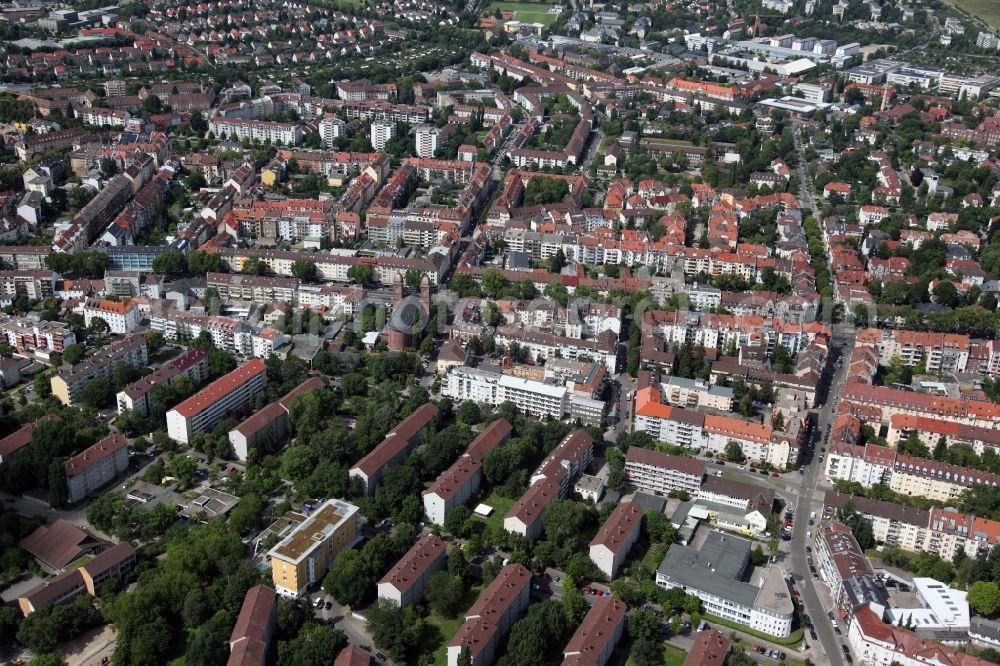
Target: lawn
{"type": "Point", "coordinates": [527, 12]}
{"type": "Point", "coordinates": [794, 640]}
{"type": "Point", "coordinates": [439, 629]}
{"type": "Point", "coordinates": [654, 556]}
{"type": "Point", "coordinates": [501, 505]}
{"type": "Point", "coordinates": [672, 656]}
{"type": "Point", "coordinates": [987, 10]}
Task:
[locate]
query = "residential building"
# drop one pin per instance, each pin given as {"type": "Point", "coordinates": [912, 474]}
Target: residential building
{"type": "Point", "coordinates": [691, 393]}
{"type": "Point", "coordinates": [121, 316]}
{"type": "Point", "coordinates": [611, 545]}
{"type": "Point", "coordinates": [304, 556]}
{"type": "Point", "coordinates": [552, 480]}
{"type": "Point", "coordinates": [710, 648]}
{"type": "Point", "coordinates": [662, 473]}
{"type": "Point", "coordinates": [28, 335]}
{"type": "Point", "coordinates": [407, 581]}
{"type": "Point", "coordinates": [248, 643]}
{"type": "Point", "coordinates": [595, 639]}
{"type": "Point", "coordinates": [391, 451]}
{"type": "Point", "coordinates": [89, 578]}
{"type": "Point", "coordinates": [382, 132]}
{"type": "Point", "coordinates": [491, 387]}
{"type": "Point", "coordinates": [17, 440]}
{"type": "Point", "coordinates": [231, 393]}
{"type": "Point", "coordinates": [840, 561]}
{"type": "Point", "coordinates": [68, 383]}
{"type": "Point", "coordinates": [428, 140]}
{"type": "Point", "coordinates": [876, 643]}
{"type": "Point", "coordinates": [192, 364]}
{"type": "Point", "coordinates": [269, 426]}
{"type": "Point", "coordinates": [717, 574]}
{"type": "Point", "coordinates": [330, 129]}
{"type": "Point", "coordinates": [491, 617]}
{"type": "Point", "coordinates": [288, 134]}
{"type": "Point", "coordinates": [460, 482]}
{"type": "Point", "coordinates": [95, 466]}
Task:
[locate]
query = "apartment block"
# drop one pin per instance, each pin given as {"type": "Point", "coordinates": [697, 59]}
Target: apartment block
{"type": "Point", "coordinates": [889, 402]}
{"type": "Point", "coordinates": [491, 617]}
{"type": "Point", "coordinates": [95, 466]}
{"type": "Point", "coordinates": [611, 545]}
{"type": "Point", "coordinates": [229, 334]}
{"type": "Point", "coordinates": [192, 364]}
{"type": "Point", "coordinates": [460, 482]}
{"type": "Point", "coordinates": [938, 352]}
{"type": "Point", "coordinates": [839, 559]}
{"type": "Point", "coordinates": [595, 639]}
{"type": "Point", "coordinates": [691, 393]}
{"type": "Point", "coordinates": [494, 388]}
{"type": "Point", "coordinates": [288, 134]}
{"type": "Point", "coordinates": [661, 473]}
{"type": "Point", "coordinates": [89, 578]}
{"type": "Point", "coordinates": [270, 424]}
{"type": "Point", "coordinates": [304, 556]}
{"type": "Point", "coordinates": [34, 285]}
{"type": "Point", "coordinates": [68, 383]}
{"type": "Point", "coordinates": [254, 627]}
{"type": "Point", "coordinates": [121, 316]}
{"type": "Point", "coordinates": [407, 581]}
{"type": "Point", "coordinates": [552, 480]}
{"type": "Point", "coordinates": [391, 451]}
{"type": "Point", "coordinates": [229, 394]}
{"type": "Point", "coordinates": [17, 440]}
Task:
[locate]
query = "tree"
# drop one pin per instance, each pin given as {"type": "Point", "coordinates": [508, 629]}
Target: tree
{"type": "Point", "coordinates": [646, 652]}
{"type": "Point", "coordinates": [72, 354]}
{"type": "Point", "coordinates": [58, 486]}
{"type": "Point", "coordinates": [347, 580]}
{"type": "Point", "coordinates": [79, 196]}
{"type": "Point", "coordinates": [170, 263]}
{"type": "Point", "coordinates": [209, 646]}
{"type": "Point", "coordinates": [314, 646]}
{"type": "Point", "coordinates": [304, 270]}
{"type": "Point", "coordinates": [396, 630]}
{"type": "Point", "coordinates": [984, 597]}
{"type": "Point", "coordinates": [469, 413]}
{"type": "Point", "coordinates": [361, 273]}
{"type": "Point", "coordinates": [108, 166]}
{"type": "Point", "coordinates": [557, 292]}
{"type": "Point", "coordinates": [493, 282]}
{"type": "Point", "coordinates": [97, 394]}
{"type": "Point", "coordinates": [733, 451]}
{"type": "Point", "coordinates": [185, 470]}
{"type": "Point", "coordinates": [445, 593]}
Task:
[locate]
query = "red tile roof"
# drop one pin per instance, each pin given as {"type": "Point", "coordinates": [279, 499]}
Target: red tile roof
{"type": "Point", "coordinates": [710, 649]}
{"type": "Point", "coordinates": [415, 563]}
{"type": "Point", "coordinates": [481, 621]}
{"type": "Point", "coordinates": [19, 439]}
{"type": "Point", "coordinates": [221, 387]}
{"type": "Point", "coordinates": [397, 440]}
{"type": "Point", "coordinates": [471, 461]}
{"type": "Point", "coordinates": [600, 625]}
{"type": "Point", "coordinates": [59, 544]}
{"type": "Point", "coordinates": [83, 461]}
{"type": "Point", "coordinates": [618, 529]}
{"type": "Point", "coordinates": [252, 626]}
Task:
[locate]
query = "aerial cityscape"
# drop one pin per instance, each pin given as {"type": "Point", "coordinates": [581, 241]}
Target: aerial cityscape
{"type": "Point", "coordinates": [500, 333]}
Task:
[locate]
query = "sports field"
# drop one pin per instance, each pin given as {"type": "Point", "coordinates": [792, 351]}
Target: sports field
{"type": "Point", "coordinates": [987, 10]}
{"type": "Point", "coordinates": [527, 12]}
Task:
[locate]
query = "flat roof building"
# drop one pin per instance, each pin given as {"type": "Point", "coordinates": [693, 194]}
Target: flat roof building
{"type": "Point", "coordinates": [717, 574]}
{"type": "Point", "coordinates": [68, 383]}
{"type": "Point", "coordinates": [662, 473]}
{"type": "Point", "coordinates": [303, 557]}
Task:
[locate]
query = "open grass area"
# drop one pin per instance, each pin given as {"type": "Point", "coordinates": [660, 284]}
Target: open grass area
{"type": "Point", "coordinates": [439, 629]}
{"type": "Point", "coordinates": [672, 656]}
{"type": "Point", "coordinates": [654, 556]}
{"type": "Point", "coordinates": [794, 640]}
{"type": "Point", "coordinates": [987, 10]}
{"type": "Point", "coordinates": [527, 12]}
{"type": "Point", "coordinates": [501, 505]}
